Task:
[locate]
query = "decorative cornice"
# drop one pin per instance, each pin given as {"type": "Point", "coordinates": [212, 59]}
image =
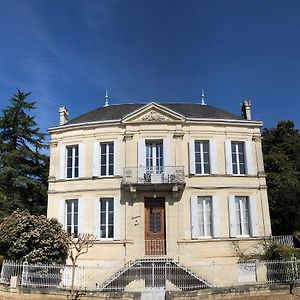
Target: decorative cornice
{"type": "Point", "coordinates": [256, 138]}
{"type": "Point", "coordinates": [128, 136]}
{"type": "Point", "coordinates": [178, 134]}
{"type": "Point", "coordinates": [53, 144]}
{"type": "Point", "coordinates": [153, 116]}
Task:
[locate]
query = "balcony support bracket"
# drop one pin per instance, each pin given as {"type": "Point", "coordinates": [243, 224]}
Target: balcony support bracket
{"type": "Point", "coordinates": [133, 192]}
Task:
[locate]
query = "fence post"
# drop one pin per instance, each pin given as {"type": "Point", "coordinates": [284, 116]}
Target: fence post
{"type": "Point", "coordinates": [24, 273]}
{"type": "Point", "coordinates": [2, 271]}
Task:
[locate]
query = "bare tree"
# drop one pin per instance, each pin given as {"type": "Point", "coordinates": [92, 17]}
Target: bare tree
{"type": "Point", "coordinates": [76, 247]}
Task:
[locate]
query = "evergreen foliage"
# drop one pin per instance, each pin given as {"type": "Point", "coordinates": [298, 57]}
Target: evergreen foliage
{"type": "Point", "coordinates": [34, 238]}
{"type": "Point", "coordinates": [281, 148]}
{"type": "Point", "coordinates": [275, 251]}
{"type": "Point", "coordinates": [23, 166]}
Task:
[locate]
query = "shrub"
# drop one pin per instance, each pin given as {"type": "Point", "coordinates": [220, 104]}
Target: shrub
{"type": "Point", "coordinates": [34, 238]}
{"type": "Point", "coordinates": [275, 251]}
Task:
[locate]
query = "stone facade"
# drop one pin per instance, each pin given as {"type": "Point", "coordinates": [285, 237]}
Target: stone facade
{"type": "Point", "coordinates": [156, 182]}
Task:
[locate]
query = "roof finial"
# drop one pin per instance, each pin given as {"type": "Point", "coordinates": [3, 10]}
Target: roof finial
{"type": "Point", "coordinates": [202, 97]}
{"type": "Point", "coordinates": [106, 99]}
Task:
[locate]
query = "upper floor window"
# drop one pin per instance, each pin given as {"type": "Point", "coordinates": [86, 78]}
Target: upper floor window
{"type": "Point", "coordinates": [238, 158]}
{"type": "Point", "coordinates": [203, 157]}
{"type": "Point", "coordinates": [106, 218]}
{"type": "Point", "coordinates": [72, 217]}
{"type": "Point", "coordinates": [205, 216]}
{"type": "Point", "coordinates": [242, 215]}
{"type": "Point", "coordinates": [72, 155]}
{"type": "Point", "coordinates": [154, 156]}
{"type": "Point", "coordinates": [202, 161]}
{"type": "Point", "coordinates": [107, 159]}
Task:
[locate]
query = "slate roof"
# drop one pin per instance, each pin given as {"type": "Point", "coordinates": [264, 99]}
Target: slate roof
{"type": "Point", "coordinates": [188, 110]}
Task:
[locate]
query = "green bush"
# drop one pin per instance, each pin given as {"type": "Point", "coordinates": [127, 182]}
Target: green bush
{"type": "Point", "coordinates": [275, 251]}
{"type": "Point", "coordinates": [34, 238]}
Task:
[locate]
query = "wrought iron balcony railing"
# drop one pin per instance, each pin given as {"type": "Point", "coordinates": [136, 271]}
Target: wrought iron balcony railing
{"type": "Point", "coordinates": [153, 175]}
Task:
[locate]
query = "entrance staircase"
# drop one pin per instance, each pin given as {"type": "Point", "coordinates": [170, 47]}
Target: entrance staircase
{"type": "Point", "coordinates": [155, 273]}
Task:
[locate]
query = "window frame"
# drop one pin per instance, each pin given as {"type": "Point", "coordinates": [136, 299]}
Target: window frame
{"type": "Point", "coordinates": [240, 216]}
{"type": "Point", "coordinates": [107, 211]}
{"type": "Point", "coordinates": [204, 200]}
{"type": "Point", "coordinates": [72, 225]}
{"type": "Point", "coordinates": [202, 162]}
{"type": "Point", "coordinates": [155, 159]}
{"type": "Point", "coordinates": [238, 163]}
{"type": "Point", "coordinates": [73, 157]}
{"type": "Point", "coordinates": [107, 157]}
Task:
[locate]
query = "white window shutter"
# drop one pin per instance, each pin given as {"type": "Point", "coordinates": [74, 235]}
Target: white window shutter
{"type": "Point", "coordinates": [117, 218]}
{"type": "Point", "coordinates": [81, 160]}
{"type": "Point", "coordinates": [117, 154]}
{"type": "Point", "coordinates": [96, 227]}
{"type": "Point", "coordinates": [141, 152]}
{"type": "Point", "coordinates": [192, 156]}
{"type": "Point", "coordinates": [249, 158]}
{"type": "Point", "coordinates": [167, 152]}
{"type": "Point", "coordinates": [228, 157]}
{"type": "Point", "coordinates": [62, 162]}
{"type": "Point", "coordinates": [213, 157]}
{"type": "Point", "coordinates": [62, 212]}
{"type": "Point", "coordinates": [96, 159]}
{"type": "Point", "coordinates": [253, 216]}
{"type": "Point", "coordinates": [232, 216]}
{"type": "Point", "coordinates": [216, 216]}
{"type": "Point", "coordinates": [194, 217]}
{"type": "Point", "coordinates": [81, 216]}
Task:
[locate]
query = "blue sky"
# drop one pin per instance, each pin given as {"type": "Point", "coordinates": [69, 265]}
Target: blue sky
{"type": "Point", "coordinates": [69, 52]}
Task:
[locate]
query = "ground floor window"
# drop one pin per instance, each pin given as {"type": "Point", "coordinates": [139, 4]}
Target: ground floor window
{"type": "Point", "coordinates": [205, 216]}
{"type": "Point", "coordinates": [72, 216]}
{"type": "Point", "coordinates": [106, 218]}
{"type": "Point", "coordinates": [242, 215]}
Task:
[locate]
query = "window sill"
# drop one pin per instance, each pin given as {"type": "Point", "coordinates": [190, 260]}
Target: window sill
{"type": "Point", "coordinates": [88, 178]}
{"type": "Point", "coordinates": [203, 238]}
{"type": "Point", "coordinates": [112, 242]}
{"type": "Point", "coordinates": [106, 177]}
{"type": "Point", "coordinates": [71, 178]}
{"type": "Point", "coordinates": [218, 239]}
{"type": "Point", "coordinates": [208, 174]}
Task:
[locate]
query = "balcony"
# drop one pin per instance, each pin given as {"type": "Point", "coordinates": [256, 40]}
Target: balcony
{"type": "Point", "coordinates": [158, 178]}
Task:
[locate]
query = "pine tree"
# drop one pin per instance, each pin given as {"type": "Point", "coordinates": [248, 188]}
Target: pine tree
{"type": "Point", "coordinates": [23, 166]}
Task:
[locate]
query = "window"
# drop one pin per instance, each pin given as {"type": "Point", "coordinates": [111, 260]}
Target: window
{"type": "Point", "coordinates": [72, 216]}
{"type": "Point", "coordinates": [72, 154]}
{"type": "Point", "coordinates": [107, 159]}
{"type": "Point", "coordinates": [242, 215]}
{"type": "Point", "coordinates": [106, 218]}
{"type": "Point", "coordinates": [238, 158]}
{"type": "Point", "coordinates": [202, 162]}
{"type": "Point", "coordinates": [205, 216]}
{"type": "Point", "coordinates": [154, 156]}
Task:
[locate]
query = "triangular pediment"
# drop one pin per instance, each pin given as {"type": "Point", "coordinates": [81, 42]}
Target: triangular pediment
{"type": "Point", "coordinates": [153, 113]}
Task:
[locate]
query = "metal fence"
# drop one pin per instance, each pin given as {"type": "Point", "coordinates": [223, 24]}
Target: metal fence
{"type": "Point", "coordinates": [286, 240]}
{"type": "Point", "coordinates": [165, 274]}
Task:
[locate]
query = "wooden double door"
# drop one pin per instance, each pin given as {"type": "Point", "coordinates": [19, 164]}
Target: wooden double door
{"type": "Point", "coordinates": [155, 233]}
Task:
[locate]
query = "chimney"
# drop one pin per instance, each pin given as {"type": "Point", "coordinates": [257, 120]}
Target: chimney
{"type": "Point", "coordinates": [246, 109]}
{"type": "Point", "coordinates": [63, 115]}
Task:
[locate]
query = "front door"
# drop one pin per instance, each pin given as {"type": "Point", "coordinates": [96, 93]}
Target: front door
{"type": "Point", "coordinates": [155, 238]}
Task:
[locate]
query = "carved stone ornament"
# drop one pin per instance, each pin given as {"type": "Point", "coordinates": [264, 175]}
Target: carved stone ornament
{"type": "Point", "coordinates": [256, 138]}
{"type": "Point", "coordinates": [153, 116]}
